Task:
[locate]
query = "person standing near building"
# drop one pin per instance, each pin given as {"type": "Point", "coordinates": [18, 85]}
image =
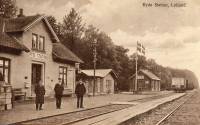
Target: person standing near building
{"type": "Point", "coordinates": [1, 76]}
{"type": "Point", "coordinates": [39, 92]}
{"type": "Point", "coordinates": [59, 87]}
{"type": "Point", "coordinates": [80, 91]}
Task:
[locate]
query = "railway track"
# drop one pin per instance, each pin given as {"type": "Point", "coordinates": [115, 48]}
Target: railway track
{"type": "Point", "coordinates": [72, 117]}
{"type": "Point", "coordinates": [186, 114]}
{"type": "Point", "coordinates": [159, 115]}
{"type": "Point", "coordinates": [161, 122]}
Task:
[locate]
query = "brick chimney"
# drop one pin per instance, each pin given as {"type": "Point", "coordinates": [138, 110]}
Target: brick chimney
{"type": "Point", "coordinates": [21, 13]}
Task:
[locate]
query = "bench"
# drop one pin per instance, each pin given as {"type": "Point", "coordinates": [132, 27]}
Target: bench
{"type": "Point", "coordinates": [67, 92]}
{"type": "Point", "coordinates": [17, 92]}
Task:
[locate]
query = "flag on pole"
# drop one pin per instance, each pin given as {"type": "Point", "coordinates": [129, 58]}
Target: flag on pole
{"type": "Point", "coordinates": [140, 48]}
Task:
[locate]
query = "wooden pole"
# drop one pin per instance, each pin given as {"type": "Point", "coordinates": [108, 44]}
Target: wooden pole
{"type": "Point", "coordinates": [136, 59]}
{"type": "Point", "coordinates": [136, 68]}
{"type": "Point", "coordinates": [94, 61]}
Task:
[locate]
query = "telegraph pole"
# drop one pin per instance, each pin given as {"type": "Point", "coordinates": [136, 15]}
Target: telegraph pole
{"type": "Point", "coordinates": [94, 61]}
{"type": "Point", "coordinates": [136, 59]}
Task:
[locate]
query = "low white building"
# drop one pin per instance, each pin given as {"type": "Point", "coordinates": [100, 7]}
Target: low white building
{"type": "Point", "coordinates": [106, 81]}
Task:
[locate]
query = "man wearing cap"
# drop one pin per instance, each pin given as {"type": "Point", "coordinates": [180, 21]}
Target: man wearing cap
{"type": "Point", "coordinates": [59, 87]}
{"type": "Point", "coordinates": [80, 91]}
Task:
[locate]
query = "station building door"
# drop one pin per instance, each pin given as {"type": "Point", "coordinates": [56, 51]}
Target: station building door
{"type": "Point", "coordinates": [36, 76]}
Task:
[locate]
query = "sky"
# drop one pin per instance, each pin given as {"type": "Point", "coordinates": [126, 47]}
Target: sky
{"type": "Point", "coordinates": [171, 35]}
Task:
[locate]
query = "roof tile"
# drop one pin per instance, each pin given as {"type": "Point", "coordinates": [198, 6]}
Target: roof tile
{"type": "Point", "coordinates": [18, 24]}
{"type": "Point", "coordinates": [99, 72]}
{"type": "Point", "coordinates": [150, 74]}
{"type": "Point", "coordinates": [9, 41]}
{"type": "Point", "coordinates": [62, 52]}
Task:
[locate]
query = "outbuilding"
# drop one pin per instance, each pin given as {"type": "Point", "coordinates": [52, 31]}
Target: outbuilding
{"type": "Point", "coordinates": [31, 51]}
{"type": "Point", "coordinates": [106, 81]}
{"type": "Point", "coordinates": [146, 81]}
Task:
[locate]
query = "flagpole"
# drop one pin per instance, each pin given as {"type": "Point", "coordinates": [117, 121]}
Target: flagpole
{"type": "Point", "coordinates": [136, 59]}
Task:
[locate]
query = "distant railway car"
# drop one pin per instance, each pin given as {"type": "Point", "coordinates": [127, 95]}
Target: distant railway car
{"type": "Point", "coordinates": [178, 84]}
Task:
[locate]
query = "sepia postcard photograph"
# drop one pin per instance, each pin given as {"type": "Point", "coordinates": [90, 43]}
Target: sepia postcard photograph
{"type": "Point", "coordinates": [99, 62]}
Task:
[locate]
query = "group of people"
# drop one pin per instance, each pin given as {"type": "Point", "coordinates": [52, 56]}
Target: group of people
{"type": "Point", "coordinates": [80, 90]}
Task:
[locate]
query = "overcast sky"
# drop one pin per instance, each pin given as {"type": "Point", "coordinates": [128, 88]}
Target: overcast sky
{"type": "Point", "coordinates": [171, 35]}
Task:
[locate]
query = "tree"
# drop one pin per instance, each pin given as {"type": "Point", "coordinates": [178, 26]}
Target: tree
{"type": "Point", "coordinates": [106, 52]}
{"type": "Point", "coordinates": [141, 63]}
{"type": "Point", "coordinates": [79, 39]}
{"type": "Point", "coordinates": [72, 29]}
{"type": "Point", "coordinates": [85, 47]}
{"type": "Point", "coordinates": [106, 56]}
{"type": "Point", "coordinates": [123, 70]}
{"type": "Point", "coordinates": [7, 8]}
{"type": "Point", "coordinates": [56, 26]}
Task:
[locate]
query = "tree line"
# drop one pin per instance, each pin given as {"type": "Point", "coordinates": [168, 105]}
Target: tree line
{"type": "Point", "coordinates": [79, 38]}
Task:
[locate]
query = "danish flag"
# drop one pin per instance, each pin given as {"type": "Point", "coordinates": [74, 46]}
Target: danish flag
{"type": "Point", "coordinates": [140, 48]}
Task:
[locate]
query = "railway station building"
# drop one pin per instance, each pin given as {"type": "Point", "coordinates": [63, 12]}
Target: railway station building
{"type": "Point", "coordinates": [146, 81]}
{"type": "Point", "coordinates": [106, 81]}
{"type": "Point", "coordinates": [31, 51]}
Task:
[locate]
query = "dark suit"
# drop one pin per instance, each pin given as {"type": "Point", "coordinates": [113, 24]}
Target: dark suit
{"type": "Point", "coordinates": [80, 91]}
{"type": "Point", "coordinates": [58, 94]}
{"type": "Point", "coordinates": [39, 92]}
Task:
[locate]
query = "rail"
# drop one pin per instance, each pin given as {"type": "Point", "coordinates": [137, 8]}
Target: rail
{"type": "Point", "coordinates": [173, 111]}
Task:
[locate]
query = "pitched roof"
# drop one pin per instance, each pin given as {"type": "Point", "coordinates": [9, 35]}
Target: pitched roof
{"type": "Point", "coordinates": [9, 41]}
{"type": "Point", "coordinates": [25, 23]}
{"type": "Point", "coordinates": [63, 53]}
{"type": "Point", "coordinates": [148, 74]}
{"type": "Point", "coordinates": [20, 23]}
{"type": "Point", "coordinates": [98, 72]}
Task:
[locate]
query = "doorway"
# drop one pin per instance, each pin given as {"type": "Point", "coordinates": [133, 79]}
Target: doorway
{"type": "Point", "coordinates": [36, 76]}
{"type": "Point", "coordinates": [108, 86]}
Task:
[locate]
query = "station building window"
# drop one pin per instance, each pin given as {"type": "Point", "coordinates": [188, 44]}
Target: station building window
{"type": "Point", "coordinates": [41, 43]}
{"type": "Point", "coordinates": [63, 75]}
{"type": "Point", "coordinates": [38, 42]}
{"type": "Point", "coordinates": [34, 41]}
{"type": "Point", "coordinates": [5, 69]}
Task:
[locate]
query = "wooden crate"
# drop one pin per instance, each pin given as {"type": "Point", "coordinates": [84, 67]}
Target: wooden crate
{"type": "Point", "coordinates": [1, 89]}
{"type": "Point", "coordinates": [2, 102]}
{"type": "Point", "coordinates": [2, 107]}
{"type": "Point", "coordinates": [2, 95]}
{"type": "Point", "coordinates": [7, 89]}
{"type": "Point", "coordinates": [8, 95]}
{"type": "Point", "coordinates": [8, 101]}
{"type": "Point", "coordinates": [8, 106]}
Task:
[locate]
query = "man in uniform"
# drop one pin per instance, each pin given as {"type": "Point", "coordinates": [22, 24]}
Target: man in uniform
{"type": "Point", "coordinates": [80, 91]}
{"type": "Point", "coordinates": [58, 93]}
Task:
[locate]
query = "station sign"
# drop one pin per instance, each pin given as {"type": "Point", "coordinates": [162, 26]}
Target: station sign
{"type": "Point", "coordinates": [140, 77]}
{"type": "Point", "coordinates": [38, 55]}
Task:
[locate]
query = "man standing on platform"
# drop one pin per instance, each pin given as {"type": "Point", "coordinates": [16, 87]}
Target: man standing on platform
{"type": "Point", "coordinates": [39, 92]}
{"type": "Point", "coordinates": [80, 91]}
{"type": "Point", "coordinates": [59, 87]}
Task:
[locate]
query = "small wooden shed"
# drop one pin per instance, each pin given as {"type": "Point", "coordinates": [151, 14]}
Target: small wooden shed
{"type": "Point", "coordinates": [146, 81]}
{"type": "Point", "coordinates": [106, 81]}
